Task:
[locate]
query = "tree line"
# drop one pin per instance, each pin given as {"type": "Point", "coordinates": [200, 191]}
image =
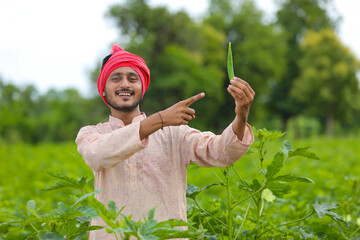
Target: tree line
{"type": "Point", "coordinates": [304, 77]}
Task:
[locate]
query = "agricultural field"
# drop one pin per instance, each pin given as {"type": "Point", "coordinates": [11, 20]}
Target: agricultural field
{"type": "Point", "coordinates": [290, 194]}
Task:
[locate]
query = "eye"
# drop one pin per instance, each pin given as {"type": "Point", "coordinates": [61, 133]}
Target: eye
{"type": "Point", "coordinates": [133, 79]}
{"type": "Point", "coordinates": [116, 79]}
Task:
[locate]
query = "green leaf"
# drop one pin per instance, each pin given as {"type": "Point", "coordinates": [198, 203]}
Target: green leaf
{"type": "Point", "coordinates": [103, 212]}
{"type": "Point", "coordinates": [81, 235]}
{"type": "Point", "coordinates": [304, 152]}
{"type": "Point", "coordinates": [112, 210]}
{"type": "Point", "coordinates": [148, 237]}
{"type": "Point", "coordinates": [230, 66]}
{"type": "Point", "coordinates": [151, 213]}
{"type": "Point", "coordinates": [50, 236]}
{"type": "Point", "coordinates": [264, 134]}
{"type": "Point", "coordinates": [91, 228]}
{"type": "Point", "coordinates": [66, 180]}
{"type": "Point", "coordinates": [287, 147]}
{"type": "Point", "coordinates": [112, 206]}
{"type": "Point", "coordinates": [173, 223]}
{"type": "Point", "coordinates": [192, 191]}
{"type": "Point", "coordinates": [69, 228]}
{"type": "Point", "coordinates": [306, 235]}
{"type": "Point", "coordinates": [255, 185]}
{"type": "Point", "coordinates": [130, 224]}
{"type": "Point", "coordinates": [148, 227]}
{"type": "Point", "coordinates": [119, 230]}
{"type": "Point", "coordinates": [275, 166]}
{"type": "Point", "coordinates": [61, 208]}
{"type": "Point", "coordinates": [292, 178]}
{"type": "Point", "coordinates": [279, 189]}
{"type": "Point", "coordinates": [30, 205]}
{"type": "Point", "coordinates": [58, 185]}
{"type": "Point", "coordinates": [324, 209]}
{"type": "Point", "coordinates": [169, 233]}
{"type": "Point", "coordinates": [85, 196]}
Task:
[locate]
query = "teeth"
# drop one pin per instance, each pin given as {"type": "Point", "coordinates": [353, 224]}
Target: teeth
{"type": "Point", "coordinates": [124, 94]}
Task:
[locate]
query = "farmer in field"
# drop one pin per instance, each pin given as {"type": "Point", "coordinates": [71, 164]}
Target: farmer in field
{"type": "Point", "coordinates": [140, 162]}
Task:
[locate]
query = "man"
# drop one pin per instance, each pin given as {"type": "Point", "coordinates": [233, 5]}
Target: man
{"type": "Point", "coordinates": [140, 162]}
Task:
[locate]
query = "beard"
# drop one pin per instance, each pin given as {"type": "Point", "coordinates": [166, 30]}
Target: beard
{"type": "Point", "coordinates": [121, 108]}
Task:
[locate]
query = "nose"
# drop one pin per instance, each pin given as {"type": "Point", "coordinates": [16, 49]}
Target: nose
{"type": "Point", "coordinates": [124, 83]}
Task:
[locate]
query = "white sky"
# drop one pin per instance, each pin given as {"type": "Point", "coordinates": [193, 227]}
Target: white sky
{"type": "Point", "coordinates": [54, 44]}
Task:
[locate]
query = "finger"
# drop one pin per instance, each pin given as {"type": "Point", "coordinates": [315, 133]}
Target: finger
{"type": "Point", "coordinates": [233, 94]}
{"type": "Point", "coordinates": [187, 117]}
{"type": "Point", "coordinates": [239, 93]}
{"type": "Point", "coordinates": [189, 111]}
{"type": "Point", "coordinates": [193, 99]}
{"type": "Point", "coordinates": [248, 86]}
{"type": "Point", "coordinates": [184, 122]}
{"type": "Point", "coordinates": [241, 87]}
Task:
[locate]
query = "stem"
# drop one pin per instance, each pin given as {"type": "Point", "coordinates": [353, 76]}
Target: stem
{"type": "Point", "coordinates": [288, 223]}
{"type": "Point", "coordinates": [341, 227]}
{"type": "Point", "coordinates": [37, 231]}
{"type": "Point", "coordinates": [62, 229]}
{"type": "Point", "coordinates": [249, 196]}
{"type": "Point", "coordinates": [228, 203]}
{"type": "Point", "coordinates": [352, 234]}
{"type": "Point", "coordinates": [259, 208]}
{"type": "Point", "coordinates": [208, 213]}
{"type": "Point", "coordinates": [245, 217]}
{"type": "Point", "coordinates": [237, 173]}
{"type": "Point", "coordinates": [222, 181]}
{"type": "Point", "coordinates": [116, 236]}
{"type": "Point", "coordinates": [210, 225]}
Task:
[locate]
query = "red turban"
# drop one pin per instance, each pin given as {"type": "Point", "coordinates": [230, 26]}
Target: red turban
{"type": "Point", "coordinates": [121, 58]}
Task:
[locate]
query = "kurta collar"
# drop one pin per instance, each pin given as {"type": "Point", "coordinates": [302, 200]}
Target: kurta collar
{"type": "Point", "coordinates": [119, 123]}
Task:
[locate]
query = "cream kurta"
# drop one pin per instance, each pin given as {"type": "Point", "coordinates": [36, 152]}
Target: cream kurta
{"type": "Point", "coordinates": [142, 174]}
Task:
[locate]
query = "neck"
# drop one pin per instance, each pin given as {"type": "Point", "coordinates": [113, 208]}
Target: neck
{"type": "Point", "coordinates": [126, 117]}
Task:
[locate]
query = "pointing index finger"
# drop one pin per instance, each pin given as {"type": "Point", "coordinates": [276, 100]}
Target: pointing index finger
{"type": "Point", "coordinates": [194, 98]}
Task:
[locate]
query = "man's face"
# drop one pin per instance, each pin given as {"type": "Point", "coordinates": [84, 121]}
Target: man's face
{"type": "Point", "coordinates": [123, 89]}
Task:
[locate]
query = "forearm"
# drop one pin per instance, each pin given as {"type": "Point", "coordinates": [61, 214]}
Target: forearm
{"type": "Point", "coordinates": [209, 150]}
{"type": "Point", "coordinates": [239, 125]}
{"type": "Point", "coordinates": [150, 125]}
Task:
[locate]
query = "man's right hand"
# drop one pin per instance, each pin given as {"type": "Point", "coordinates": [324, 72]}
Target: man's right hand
{"type": "Point", "coordinates": [180, 113]}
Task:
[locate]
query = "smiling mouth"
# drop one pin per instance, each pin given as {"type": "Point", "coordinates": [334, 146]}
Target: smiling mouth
{"type": "Point", "coordinates": [122, 93]}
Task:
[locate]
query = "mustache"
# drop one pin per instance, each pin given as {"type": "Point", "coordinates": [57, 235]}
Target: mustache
{"type": "Point", "coordinates": [124, 90]}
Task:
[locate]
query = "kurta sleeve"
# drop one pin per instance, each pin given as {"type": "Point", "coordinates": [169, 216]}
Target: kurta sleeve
{"type": "Point", "coordinates": [206, 149]}
{"type": "Point", "coordinates": [101, 150]}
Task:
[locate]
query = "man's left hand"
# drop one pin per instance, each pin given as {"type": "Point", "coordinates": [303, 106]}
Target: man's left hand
{"type": "Point", "coordinates": [243, 95]}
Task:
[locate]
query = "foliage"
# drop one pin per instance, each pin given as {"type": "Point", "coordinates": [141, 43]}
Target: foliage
{"type": "Point", "coordinates": [73, 222]}
{"type": "Point", "coordinates": [258, 51]}
{"type": "Point", "coordinates": [28, 116]}
{"type": "Point", "coordinates": [225, 214]}
{"type": "Point", "coordinates": [184, 56]}
{"type": "Point", "coordinates": [335, 176]}
{"type": "Point", "coordinates": [295, 18]}
{"type": "Point", "coordinates": [328, 78]}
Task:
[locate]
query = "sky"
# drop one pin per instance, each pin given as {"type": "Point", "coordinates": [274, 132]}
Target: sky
{"type": "Point", "coordinates": [55, 44]}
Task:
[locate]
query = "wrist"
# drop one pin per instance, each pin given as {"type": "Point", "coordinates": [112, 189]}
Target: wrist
{"type": "Point", "coordinates": [161, 119]}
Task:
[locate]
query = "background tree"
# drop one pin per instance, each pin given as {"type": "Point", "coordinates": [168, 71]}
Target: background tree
{"type": "Point", "coordinates": [295, 17]}
{"type": "Point", "coordinates": [327, 85]}
{"type": "Point", "coordinates": [184, 57]}
{"type": "Point", "coordinates": [258, 51]}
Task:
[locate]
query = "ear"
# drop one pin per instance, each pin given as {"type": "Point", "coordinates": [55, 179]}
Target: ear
{"type": "Point", "coordinates": [103, 94]}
